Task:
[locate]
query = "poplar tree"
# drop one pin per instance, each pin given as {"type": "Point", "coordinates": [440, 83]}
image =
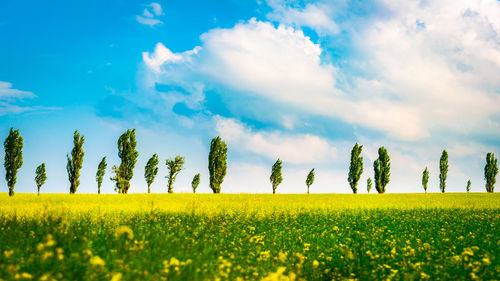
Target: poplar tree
{"type": "Point", "coordinates": [40, 176]}
{"type": "Point", "coordinates": [310, 179]}
{"type": "Point", "coordinates": [276, 177]}
{"type": "Point", "coordinates": [382, 168]}
{"type": "Point", "coordinates": [443, 170]}
{"type": "Point", "coordinates": [467, 188]}
{"type": "Point", "coordinates": [425, 179]}
{"type": "Point", "coordinates": [369, 185]}
{"type": "Point", "coordinates": [490, 171]}
{"type": "Point", "coordinates": [195, 182]}
{"type": "Point", "coordinates": [13, 160]}
{"type": "Point", "coordinates": [75, 162]}
{"type": "Point", "coordinates": [101, 170]}
{"type": "Point", "coordinates": [151, 170]}
{"type": "Point", "coordinates": [128, 155]}
{"type": "Point", "coordinates": [217, 163]}
{"type": "Point", "coordinates": [174, 166]}
{"type": "Point", "coordinates": [356, 167]}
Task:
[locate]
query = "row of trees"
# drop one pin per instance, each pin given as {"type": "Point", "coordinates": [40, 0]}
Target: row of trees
{"type": "Point", "coordinates": [217, 167]}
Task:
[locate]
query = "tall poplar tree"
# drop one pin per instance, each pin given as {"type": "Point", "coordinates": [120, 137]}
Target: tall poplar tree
{"type": "Point", "coordinates": [195, 182]}
{"type": "Point", "coordinates": [75, 162]}
{"type": "Point", "coordinates": [490, 171]}
{"type": "Point", "coordinates": [217, 163]}
{"type": "Point", "coordinates": [13, 159]}
{"type": "Point", "coordinates": [40, 176]}
{"type": "Point", "coordinates": [128, 155]}
{"type": "Point", "coordinates": [369, 184]}
{"type": "Point", "coordinates": [174, 166]}
{"type": "Point", "coordinates": [425, 179]}
{"type": "Point", "coordinates": [310, 179]}
{"type": "Point", "coordinates": [467, 188]}
{"type": "Point", "coordinates": [356, 167]}
{"type": "Point", "coordinates": [151, 170]}
{"type": "Point", "coordinates": [101, 170]}
{"type": "Point", "coordinates": [276, 177]}
{"type": "Point", "coordinates": [443, 170]}
{"type": "Point", "coordinates": [382, 168]}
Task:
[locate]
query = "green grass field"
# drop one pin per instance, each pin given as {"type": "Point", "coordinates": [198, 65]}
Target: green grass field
{"type": "Point", "coordinates": [250, 237]}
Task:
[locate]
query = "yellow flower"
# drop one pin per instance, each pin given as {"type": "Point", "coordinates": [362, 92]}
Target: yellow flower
{"type": "Point", "coordinates": [117, 277]}
{"type": "Point", "coordinates": [315, 263]}
{"type": "Point", "coordinates": [124, 230]}
{"type": "Point", "coordinates": [26, 275]}
{"type": "Point", "coordinates": [97, 261]}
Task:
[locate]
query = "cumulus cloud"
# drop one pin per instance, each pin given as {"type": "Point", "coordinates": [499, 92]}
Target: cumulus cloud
{"type": "Point", "coordinates": [150, 15]}
{"type": "Point", "coordinates": [291, 148]}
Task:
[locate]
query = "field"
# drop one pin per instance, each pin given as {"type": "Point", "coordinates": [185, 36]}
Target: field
{"type": "Point", "coordinates": [250, 237]}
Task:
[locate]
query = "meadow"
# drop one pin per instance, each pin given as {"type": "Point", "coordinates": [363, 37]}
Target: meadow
{"type": "Point", "coordinates": [250, 237]}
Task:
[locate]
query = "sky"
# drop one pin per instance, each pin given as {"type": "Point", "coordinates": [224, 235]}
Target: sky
{"type": "Point", "coordinates": [302, 81]}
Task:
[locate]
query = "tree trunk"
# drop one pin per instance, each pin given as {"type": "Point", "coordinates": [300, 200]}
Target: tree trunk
{"type": "Point", "coordinates": [11, 191]}
{"type": "Point", "coordinates": [307, 189]}
{"type": "Point", "coordinates": [149, 190]}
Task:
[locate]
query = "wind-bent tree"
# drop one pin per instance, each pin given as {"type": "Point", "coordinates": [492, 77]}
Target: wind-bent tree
{"type": "Point", "coordinates": [382, 168]}
{"type": "Point", "coordinates": [75, 163]}
{"type": "Point", "coordinates": [217, 163]}
{"type": "Point", "coordinates": [101, 170]}
{"type": "Point", "coordinates": [467, 188]}
{"type": "Point", "coordinates": [276, 177]}
{"type": "Point", "coordinates": [369, 185]}
{"type": "Point", "coordinates": [195, 182]}
{"type": "Point", "coordinates": [151, 170]}
{"type": "Point", "coordinates": [128, 155]}
{"type": "Point", "coordinates": [310, 179]}
{"type": "Point", "coordinates": [356, 167]}
{"type": "Point", "coordinates": [174, 166]}
{"type": "Point", "coordinates": [13, 160]}
{"type": "Point", "coordinates": [40, 176]}
{"type": "Point", "coordinates": [443, 170]}
{"type": "Point", "coordinates": [490, 171]}
{"type": "Point", "coordinates": [425, 179]}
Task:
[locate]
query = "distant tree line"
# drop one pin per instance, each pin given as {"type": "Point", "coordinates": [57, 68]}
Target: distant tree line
{"type": "Point", "coordinates": [217, 167]}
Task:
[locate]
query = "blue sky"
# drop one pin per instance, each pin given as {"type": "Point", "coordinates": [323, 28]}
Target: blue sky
{"type": "Point", "coordinates": [299, 80]}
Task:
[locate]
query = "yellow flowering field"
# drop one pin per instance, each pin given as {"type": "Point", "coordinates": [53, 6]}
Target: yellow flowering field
{"type": "Point", "coordinates": [250, 237]}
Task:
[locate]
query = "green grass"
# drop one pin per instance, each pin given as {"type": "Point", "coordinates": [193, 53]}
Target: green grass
{"type": "Point", "coordinates": [252, 237]}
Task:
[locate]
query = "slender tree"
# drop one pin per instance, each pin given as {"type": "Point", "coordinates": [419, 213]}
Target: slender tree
{"type": "Point", "coordinates": [151, 170]}
{"type": "Point", "coordinates": [174, 166]}
{"type": "Point", "coordinates": [356, 167]}
{"type": "Point", "coordinates": [310, 179]}
{"type": "Point", "coordinates": [13, 160]}
{"type": "Point", "coordinates": [101, 170]}
{"type": "Point", "coordinates": [195, 182]}
{"type": "Point", "coordinates": [276, 177]}
{"type": "Point", "coordinates": [467, 188]}
{"type": "Point", "coordinates": [443, 170]}
{"type": "Point", "coordinates": [40, 176]}
{"type": "Point", "coordinates": [128, 155]}
{"type": "Point", "coordinates": [75, 162]}
{"type": "Point", "coordinates": [217, 163]}
{"type": "Point", "coordinates": [382, 168]}
{"type": "Point", "coordinates": [425, 179]}
{"type": "Point", "coordinates": [369, 185]}
{"type": "Point", "coordinates": [490, 171]}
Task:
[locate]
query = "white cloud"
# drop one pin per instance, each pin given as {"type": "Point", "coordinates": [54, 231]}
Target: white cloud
{"type": "Point", "coordinates": [291, 148]}
{"type": "Point", "coordinates": [150, 15]}
{"type": "Point", "coordinates": [9, 96]}
{"type": "Point", "coordinates": [8, 93]}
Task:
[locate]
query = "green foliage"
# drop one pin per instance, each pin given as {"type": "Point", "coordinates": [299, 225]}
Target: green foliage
{"type": "Point", "coordinates": [356, 167]}
{"type": "Point", "coordinates": [174, 166]}
{"type": "Point", "coordinates": [467, 188]}
{"type": "Point", "coordinates": [310, 179]}
{"type": "Point", "coordinates": [443, 170]}
{"type": "Point", "coordinates": [490, 171]}
{"type": "Point", "coordinates": [13, 160]}
{"type": "Point", "coordinates": [369, 184]}
{"type": "Point", "coordinates": [75, 162]}
{"type": "Point", "coordinates": [276, 177]}
{"type": "Point", "coordinates": [101, 170]}
{"type": "Point", "coordinates": [195, 182]}
{"type": "Point", "coordinates": [151, 170]}
{"type": "Point", "coordinates": [40, 176]}
{"type": "Point", "coordinates": [382, 168]}
{"type": "Point", "coordinates": [425, 179]}
{"type": "Point", "coordinates": [217, 163]}
{"type": "Point", "coordinates": [128, 155]}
